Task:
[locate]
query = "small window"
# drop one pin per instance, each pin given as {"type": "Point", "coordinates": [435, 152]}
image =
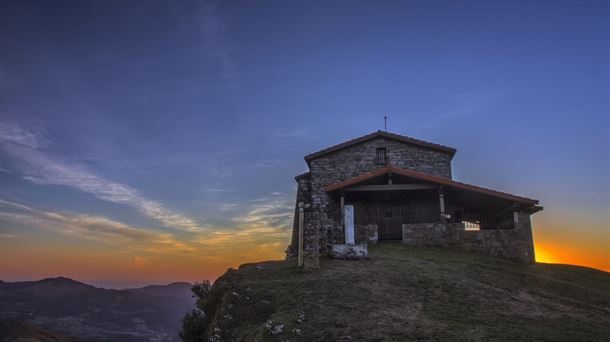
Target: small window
{"type": "Point", "coordinates": [381, 156]}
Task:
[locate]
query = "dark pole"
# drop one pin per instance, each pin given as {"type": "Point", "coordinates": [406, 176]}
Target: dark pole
{"type": "Point", "coordinates": [385, 123]}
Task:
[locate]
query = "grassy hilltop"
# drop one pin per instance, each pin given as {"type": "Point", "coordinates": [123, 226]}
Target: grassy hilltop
{"type": "Point", "coordinates": [405, 293]}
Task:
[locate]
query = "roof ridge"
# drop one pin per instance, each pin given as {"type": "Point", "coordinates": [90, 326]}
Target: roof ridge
{"type": "Point", "coordinates": [395, 136]}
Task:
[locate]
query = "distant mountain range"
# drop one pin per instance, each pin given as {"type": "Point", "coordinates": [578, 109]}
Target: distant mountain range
{"type": "Point", "coordinates": [72, 308]}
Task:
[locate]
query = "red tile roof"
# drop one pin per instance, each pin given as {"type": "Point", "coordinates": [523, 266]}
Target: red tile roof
{"type": "Point", "coordinates": [383, 134]}
{"type": "Point", "coordinates": [429, 178]}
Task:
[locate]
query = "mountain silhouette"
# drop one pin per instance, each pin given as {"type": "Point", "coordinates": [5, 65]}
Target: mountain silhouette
{"type": "Point", "coordinates": [178, 289]}
{"type": "Point", "coordinates": [73, 308]}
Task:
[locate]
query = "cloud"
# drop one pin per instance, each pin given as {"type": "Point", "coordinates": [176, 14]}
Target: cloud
{"type": "Point", "coordinates": [6, 236]}
{"type": "Point", "coordinates": [41, 167]}
{"type": "Point", "coordinates": [268, 163]}
{"type": "Point", "coordinates": [90, 227]}
{"type": "Point", "coordinates": [13, 134]}
{"type": "Point", "coordinates": [264, 229]}
{"type": "Point", "coordinates": [261, 237]}
{"type": "Point", "coordinates": [246, 236]}
{"type": "Point", "coordinates": [274, 213]}
{"type": "Point", "coordinates": [228, 206]}
{"type": "Point", "coordinates": [218, 190]}
{"type": "Point", "coordinates": [213, 193]}
{"type": "Point", "coordinates": [139, 261]}
{"type": "Point", "coordinates": [260, 229]}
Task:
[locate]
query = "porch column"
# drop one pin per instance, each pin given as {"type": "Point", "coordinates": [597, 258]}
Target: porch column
{"type": "Point", "coordinates": [349, 225]}
{"type": "Point", "coordinates": [301, 224]}
{"type": "Point", "coordinates": [342, 206]}
{"type": "Point", "coordinates": [342, 216]}
{"type": "Point", "coordinates": [441, 201]}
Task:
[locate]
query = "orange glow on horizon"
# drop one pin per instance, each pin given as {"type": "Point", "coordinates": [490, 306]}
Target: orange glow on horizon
{"type": "Point", "coordinates": [553, 254]}
{"type": "Point", "coordinates": [582, 240]}
{"type": "Point", "coordinates": [543, 255]}
{"type": "Point", "coordinates": [164, 259]}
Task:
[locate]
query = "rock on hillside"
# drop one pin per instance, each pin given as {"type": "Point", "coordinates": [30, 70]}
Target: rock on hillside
{"type": "Point", "coordinates": [405, 293]}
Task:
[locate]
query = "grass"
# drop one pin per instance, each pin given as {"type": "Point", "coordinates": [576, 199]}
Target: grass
{"type": "Point", "coordinates": [406, 293]}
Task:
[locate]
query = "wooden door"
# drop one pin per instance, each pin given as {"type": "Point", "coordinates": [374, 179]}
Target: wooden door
{"type": "Point", "coordinates": [390, 223]}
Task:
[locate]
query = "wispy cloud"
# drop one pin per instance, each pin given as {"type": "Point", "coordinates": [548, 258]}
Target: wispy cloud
{"type": "Point", "coordinates": [218, 190]}
{"type": "Point", "coordinates": [41, 167]}
{"type": "Point", "coordinates": [265, 163]}
{"type": "Point", "coordinates": [264, 227]}
{"type": "Point", "coordinates": [92, 227]}
{"type": "Point", "coordinates": [261, 234]}
{"type": "Point", "coordinates": [228, 206]}
{"type": "Point", "coordinates": [249, 230]}
{"type": "Point", "coordinates": [13, 134]}
{"type": "Point", "coordinates": [268, 213]}
{"type": "Point", "coordinates": [249, 236]}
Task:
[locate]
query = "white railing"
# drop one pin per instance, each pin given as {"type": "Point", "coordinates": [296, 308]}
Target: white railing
{"type": "Point", "coordinates": [473, 226]}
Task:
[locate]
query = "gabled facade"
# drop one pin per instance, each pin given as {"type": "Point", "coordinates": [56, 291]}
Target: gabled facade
{"type": "Point", "coordinates": [401, 189]}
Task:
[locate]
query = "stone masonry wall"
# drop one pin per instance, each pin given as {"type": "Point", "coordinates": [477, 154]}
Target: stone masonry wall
{"type": "Point", "coordinates": [514, 244]}
{"type": "Point", "coordinates": [357, 160]}
{"type": "Point", "coordinates": [366, 233]}
{"type": "Point", "coordinates": [311, 239]}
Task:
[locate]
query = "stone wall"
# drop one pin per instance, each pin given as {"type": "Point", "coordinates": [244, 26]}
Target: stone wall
{"type": "Point", "coordinates": [513, 244]}
{"type": "Point", "coordinates": [357, 160]}
{"type": "Point", "coordinates": [366, 233]}
{"type": "Point", "coordinates": [311, 240]}
{"type": "Point", "coordinates": [361, 158]}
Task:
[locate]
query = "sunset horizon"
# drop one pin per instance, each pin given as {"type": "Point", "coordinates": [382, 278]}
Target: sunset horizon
{"type": "Point", "coordinates": [148, 145]}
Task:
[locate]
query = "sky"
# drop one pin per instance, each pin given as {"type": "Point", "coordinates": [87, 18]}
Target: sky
{"type": "Point", "coordinates": [157, 141]}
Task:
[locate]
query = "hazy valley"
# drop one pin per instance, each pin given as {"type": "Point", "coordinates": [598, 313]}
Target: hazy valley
{"type": "Point", "coordinates": [71, 308]}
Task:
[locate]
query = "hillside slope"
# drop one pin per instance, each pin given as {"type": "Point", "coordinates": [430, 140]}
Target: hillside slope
{"type": "Point", "coordinates": [405, 293]}
{"type": "Point", "coordinates": [16, 331]}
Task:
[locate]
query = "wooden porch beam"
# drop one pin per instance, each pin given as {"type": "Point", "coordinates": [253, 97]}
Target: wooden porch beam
{"type": "Point", "coordinates": [390, 187]}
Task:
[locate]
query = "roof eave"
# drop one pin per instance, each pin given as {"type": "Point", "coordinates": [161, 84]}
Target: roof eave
{"type": "Point", "coordinates": [302, 175]}
{"type": "Point", "coordinates": [433, 179]}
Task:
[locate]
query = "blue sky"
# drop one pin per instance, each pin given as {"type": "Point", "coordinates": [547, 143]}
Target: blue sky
{"type": "Point", "coordinates": [191, 118]}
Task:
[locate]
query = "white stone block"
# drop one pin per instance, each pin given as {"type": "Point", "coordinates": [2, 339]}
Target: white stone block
{"type": "Point", "coordinates": [340, 251]}
{"type": "Point", "coordinates": [349, 224]}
